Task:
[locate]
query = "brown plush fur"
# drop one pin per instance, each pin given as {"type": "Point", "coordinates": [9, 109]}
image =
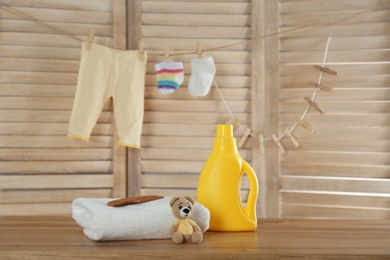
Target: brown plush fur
{"type": "Point", "coordinates": [184, 230]}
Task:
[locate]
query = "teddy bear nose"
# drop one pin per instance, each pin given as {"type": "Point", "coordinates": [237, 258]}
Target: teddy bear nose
{"type": "Point", "coordinates": [186, 210]}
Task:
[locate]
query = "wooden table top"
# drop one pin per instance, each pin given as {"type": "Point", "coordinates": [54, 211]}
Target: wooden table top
{"type": "Point", "coordinates": [61, 238]}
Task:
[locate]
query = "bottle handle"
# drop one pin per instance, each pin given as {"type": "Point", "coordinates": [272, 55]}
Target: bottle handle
{"type": "Point", "coordinates": [250, 209]}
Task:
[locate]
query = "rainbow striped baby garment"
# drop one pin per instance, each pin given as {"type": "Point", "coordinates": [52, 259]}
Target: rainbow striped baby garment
{"type": "Point", "coordinates": [169, 76]}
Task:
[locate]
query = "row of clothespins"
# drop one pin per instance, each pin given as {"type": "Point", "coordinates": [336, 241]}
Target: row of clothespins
{"type": "Point", "coordinates": [287, 132]}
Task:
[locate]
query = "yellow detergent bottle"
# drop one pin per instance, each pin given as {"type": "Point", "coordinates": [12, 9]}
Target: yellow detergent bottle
{"type": "Point", "coordinates": [219, 187]}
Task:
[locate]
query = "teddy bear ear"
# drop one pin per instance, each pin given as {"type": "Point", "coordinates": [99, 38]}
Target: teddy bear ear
{"type": "Point", "coordinates": [173, 200]}
{"type": "Point", "coordinates": [191, 199]}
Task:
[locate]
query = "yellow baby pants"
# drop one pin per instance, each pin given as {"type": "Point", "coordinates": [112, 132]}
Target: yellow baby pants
{"type": "Point", "coordinates": [104, 73]}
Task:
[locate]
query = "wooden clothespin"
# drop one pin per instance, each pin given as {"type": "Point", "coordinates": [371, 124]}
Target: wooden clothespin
{"type": "Point", "coordinates": [244, 137]}
{"type": "Point", "coordinates": [236, 123]}
{"type": "Point", "coordinates": [199, 50]}
{"type": "Point", "coordinates": [91, 35]}
{"type": "Point", "coordinates": [142, 55]}
{"type": "Point", "coordinates": [279, 144]}
{"type": "Point", "coordinates": [324, 88]}
{"type": "Point", "coordinates": [314, 104]}
{"type": "Point", "coordinates": [292, 137]}
{"type": "Point", "coordinates": [261, 144]}
{"type": "Point", "coordinates": [305, 125]}
{"type": "Point", "coordinates": [167, 54]}
{"type": "Point", "coordinates": [326, 70]}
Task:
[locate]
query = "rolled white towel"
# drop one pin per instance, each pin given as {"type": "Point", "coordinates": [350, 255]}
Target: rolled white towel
{"type": "Point", "coordinates": [147, 220]}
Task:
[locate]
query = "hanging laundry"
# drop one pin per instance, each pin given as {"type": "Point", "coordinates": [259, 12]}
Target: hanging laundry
{"type": "Point", "coordinates": [170, 75]}
{"type": "Point", "coordinates": [202, 76]}
{"type": "Point", "coordinates": [104, 73]}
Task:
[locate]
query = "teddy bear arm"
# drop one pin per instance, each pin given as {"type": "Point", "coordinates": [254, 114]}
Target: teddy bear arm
{"type": "Point", "coordinates": [173, 229]}
{"type": "Point", "coordinates": [195, 226]}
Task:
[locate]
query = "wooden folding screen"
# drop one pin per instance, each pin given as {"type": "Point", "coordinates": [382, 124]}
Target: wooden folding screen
{"type": "Point", "coordinates": [342, 170]}
{"type": "Point", "coordinates": [41, 171]}
{"type": "Point", "coordinates": [179, 128]}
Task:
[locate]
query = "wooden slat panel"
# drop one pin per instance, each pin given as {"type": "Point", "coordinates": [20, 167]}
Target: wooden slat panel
{"type": "Point", "coordinates": [197, 31]}
{"type": "Point", "coordinates": [179, 128]}
{"type": "Point", "coordinates": [335, 170]}
{"type": "Point", "coordinates": [340, 199]}
{"type": "Point", "coordinates": [48, 129]}
{"type": "Point", "coordinates": [197, 19]}
{"type": "Point", "coordinates": [58, 15]}
{"type": "Point", "coordinates": [65, 154]}
{"type": "Point", "coordinates": [35, 209]}
{"type": "Point", "coordinates": [44, 116]}
{"type": "Point", "coordinates": [334, 57]}
{"type": "Point", "coordinates": [341, 170]}
{"type": "Point", "coordinates": [193, 118]}
{"type": "Point", "coordinates": [180, 44]}
{"type": "Point", "coordinates": [54, 167]}
{"type": "Point", "coordinates": [31, 27]}
{"type": "Point", "coordinates": [336, 30]}
{"type": "Point", "coordinates": [364, 94]}
{"type": "Point", "coordinates": [196, 105]}
{"type": "Point", "coordinates": [297, 211]}
{"type": "Point", "coordinates": [335, 184]}
{"type": "Point", "coordinates": [9, 182]}
{"type": "Point", "coordinates": [302, 19]}
{"type": "Point", "coordinates": [183, 154]}
{"type": "Point", "coordinates": [39, 90]}
{"type": "Point", "coordinates": [182, 93]}
{"type": "Point", "coordinates": [196, 8]}
{"type": "Point", "coordinates": [179, 142]}
{"type": "Point", "coordinates": [48, 40]}
{"type": "Point", "coordinates": [169, 192]}
{"type": "Point", "coordinates": [39, 66]}
{"type": "Point", "coordinates": [338, 157]}
{"type": "Point", "coordinates": [51, 196]}
{"type": "Point", "coordinates": [330, 5]}
{"type": "Point", "coordinates": [98, 5]}
{"type": "Point", "coordinates": [339, 43]}
{"type": "Point", "coordinates": [38, 77]}
{"type": "Point", "coordinates": [374, 68]}
{"type": "Point", "coordinates": [52, 142]}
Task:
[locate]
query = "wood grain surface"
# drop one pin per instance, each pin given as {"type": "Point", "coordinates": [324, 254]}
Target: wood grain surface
{"type": "Point", "coordinates": [61, 238]}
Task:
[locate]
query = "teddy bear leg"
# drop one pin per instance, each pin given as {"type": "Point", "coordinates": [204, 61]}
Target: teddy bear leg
{"type": "Point", "coordinates": [197, 237]}
{"type": "Point", "coordinates": [177, 238]}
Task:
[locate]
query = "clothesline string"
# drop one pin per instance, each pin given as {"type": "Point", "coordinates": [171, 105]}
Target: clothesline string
{"type": "Point", "coordinates": [321, 22]}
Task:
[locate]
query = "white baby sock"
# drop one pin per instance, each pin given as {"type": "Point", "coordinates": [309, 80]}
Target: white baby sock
{"type": "Point", "coordinates": [202, 75]}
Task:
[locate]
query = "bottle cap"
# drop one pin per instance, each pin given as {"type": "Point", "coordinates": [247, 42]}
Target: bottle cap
{"type": "Point", "coordinates": [225, 135]}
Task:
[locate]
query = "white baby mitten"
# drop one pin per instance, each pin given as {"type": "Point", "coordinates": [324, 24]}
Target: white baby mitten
{"type": "Point", "coordinates": [169, 76]}
{"type": "Point", "coordinates": [202, 75]}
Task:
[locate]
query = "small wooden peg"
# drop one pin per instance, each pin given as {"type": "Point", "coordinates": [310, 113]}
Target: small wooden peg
{"type": "Point", "coordinates": [305, 125]}
{"type": "Point", "coordinates": [292, 137]}
{"type": "Point", "coordinates": [261, 144]}
{"type": "Point", "coordinates": [91, 35]}
{"type": "Point", "coordinates": [326, 70]}
{"type": "Point", "coordinates": [199, 50]}
{"type": "Point", "coordinates": [167, 54]}
{"type": "Point", "coordinates": [314, 104]}
{"type": "Point", "coordinates": [141, 48]}
{"type": "Point", "coordinates": [244, 137]}
{"type": "Point", "coordinates": [279, 144]}
{"type": "Point", "coordinates": [236, 123]}
{"type": "Point", "coordinates": [324, 88]}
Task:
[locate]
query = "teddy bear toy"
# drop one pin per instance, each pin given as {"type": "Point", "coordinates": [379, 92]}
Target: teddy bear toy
{"type": "Point", "coordinates": [185, 229]}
